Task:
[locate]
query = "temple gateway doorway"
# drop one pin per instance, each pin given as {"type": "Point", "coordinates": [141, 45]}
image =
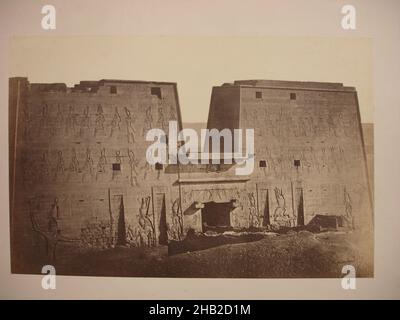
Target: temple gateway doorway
{"type": "Point", "coordinates": [216, 215]}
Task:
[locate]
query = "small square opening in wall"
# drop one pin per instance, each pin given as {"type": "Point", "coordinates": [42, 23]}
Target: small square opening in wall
{"type": "Point", "coordinates": [113, 89]}
{"type": "Point", "coordinates": [156, 91]}
{"type": "Point", "coordinates": [258, 94]}
{"type": "Point", "coordinates": [297, 163]}
{"type": "Point", "coordinates": [159, 166]}
{"type": "Point", "coordinates": [292, 96]}
{"type": "Point", "coordinates": [263, 164]}
{"type": "Point", "coordinates": [116, 167]}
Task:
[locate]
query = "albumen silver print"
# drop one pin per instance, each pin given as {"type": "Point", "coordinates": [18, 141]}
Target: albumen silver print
{"type": "Point", "coordinates": [90, 192]}
{"type": "Point", "coordinates": [199, 150]}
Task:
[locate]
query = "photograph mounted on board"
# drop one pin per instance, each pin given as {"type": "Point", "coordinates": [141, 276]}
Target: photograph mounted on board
{"type": "Point", "coordinates": [192, 157]}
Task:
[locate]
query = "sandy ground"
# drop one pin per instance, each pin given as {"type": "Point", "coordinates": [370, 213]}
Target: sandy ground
{"type": "Point", "coordinates": [295, 255]}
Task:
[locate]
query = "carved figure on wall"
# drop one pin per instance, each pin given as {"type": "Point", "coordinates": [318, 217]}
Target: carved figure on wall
{"type": "Point", "coordinates": [348, 210]}
{"type": "Point", "coordinates": [300, 128]}
{"type": "Point", "coordinates": [270, 160]}
{"type": "Point", "coordinates": [218, 194]}
{"type": "Point", "coordinates": [131, 237]}
{"type": "Point", "coordinates": [99, 122]}
{"type": "Point", "coordinates": [52, 235]}
{"type": "Point", "coordinates": [160, 120]}
{"type": "Point", "coordinates": [59, 121]}
{"type": "Point", "coordinates": [55, 210]}
{"type": "Point", "coordinates": [146, 170]}
{"type": "Point", "coordinates": [224, 194]}
{"type": "Point", "coordinates": [74, 164]}
{"type": "Point", "coordinates": [60, 168]}
{"type": "Point", "coordinates": [340, 124]}
{"type": "Point", "coordinates": [175, 231]}
{"type": "Point", "coordinates": [130, 126]}
{"type": "Point", "coordinates": [102, 163]}
{"type": "Point", "coordinates": [305, 161]}
{"type": "Point", "coordinates": [44, 167]}
{"type": "Point", "coordinates": [309, 124]}
{"type": "Point", "coordinates": [331, 126]}
{"type": "Point", "coordinates": [186, 198]}
{"type": "Point", "coordinates": [71, 121]}
{"type": "Point", "coordinates": [85, 124]}
{"type": "Point", "coordinates": [281, 218]}
{"type": "Point", "coordinates": [148, 120]}
{"type": "Point", "coordinates": [115, 123]}
{"type": "Point", "coordinates": [133, 164]}
{"type": "Point", "coordinates": [239, 197]}
{"type": "Point", "coordinates": [87, 169]}
{"type": "Point", "coordinates": [254, 220]}
{"type": "Point", "coordinates": [26, 123]}
{"type": "Point", "coordinates": [145, 230]}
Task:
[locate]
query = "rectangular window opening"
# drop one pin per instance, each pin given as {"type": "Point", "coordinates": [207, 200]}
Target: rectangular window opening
{"type": "Point", "coordinates": [292, 96]}
{"type": "Point", "coordinates": [116, 167]}
{"type": "Point", "coordinates": [156, 91]}
{"type": "Point", "coordinates": [159, 166]}
{"type": "Point", "coordinates": [113, 89]}
{"type": "Point", "coordinates": [258, 94]}
{"type": "Point", "coordinates": [263, 164]}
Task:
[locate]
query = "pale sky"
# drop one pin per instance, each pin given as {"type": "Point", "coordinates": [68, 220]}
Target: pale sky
{"type": "Point", "coordinates": [196, 63]}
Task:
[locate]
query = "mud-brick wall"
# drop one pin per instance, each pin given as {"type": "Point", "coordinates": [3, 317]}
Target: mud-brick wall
{"type": "Point", "coordinates": [78, 151]}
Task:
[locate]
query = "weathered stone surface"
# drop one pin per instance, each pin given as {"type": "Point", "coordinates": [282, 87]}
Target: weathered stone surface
{"type": "Point", "coordinates": [78, 171]}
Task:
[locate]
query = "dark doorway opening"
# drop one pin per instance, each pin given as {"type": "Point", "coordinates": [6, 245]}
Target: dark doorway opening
{"type": "Point", "coordinates": [163, 238]}
{"type": "Point", "coordinates": [216, 215]}
{"type": "Point", "coordinates": [300, 207]}
{"type": "Point", "coordinates": [266, 219]}
{"type": "Point", "coordinates": [121, 231]}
